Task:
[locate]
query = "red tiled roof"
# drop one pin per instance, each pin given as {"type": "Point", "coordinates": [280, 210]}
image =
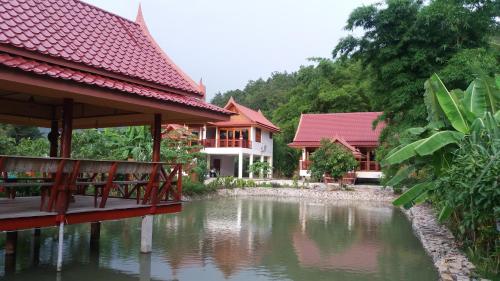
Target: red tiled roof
{"type": "Point", "coordinates": [256, 117]}
{"type": "Point", "coordinates": [355, 128]}
{"type": "Point", "coordinates": [65, 73]}
{"type": "Point", "coordinates": [83, 34]}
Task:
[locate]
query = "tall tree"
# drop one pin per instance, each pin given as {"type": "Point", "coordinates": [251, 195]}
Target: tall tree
{"type": "Point", "coordinates": [406, 41]}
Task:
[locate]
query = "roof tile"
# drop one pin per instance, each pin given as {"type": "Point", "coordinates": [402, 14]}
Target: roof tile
{"type": "Point", "coordinates": [56, 71]}
{"type": "Point", "coordinates": [355, 128]}
{"type": "Point", "coordinates": [118, 41]}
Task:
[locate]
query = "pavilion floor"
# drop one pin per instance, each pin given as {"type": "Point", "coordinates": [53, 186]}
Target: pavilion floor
{"type": "Point", "coordinates": [24, 212]}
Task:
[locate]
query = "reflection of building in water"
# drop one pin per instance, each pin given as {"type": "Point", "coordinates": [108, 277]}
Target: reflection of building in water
{"type": "Point", "coordinates": [359, 257]}
{"type": "Point", "coordinates": [238, 242]}
{"type": "Point", "coordinates": [232, 239]}
{"type": "Point", "coordinates": [356, 223]}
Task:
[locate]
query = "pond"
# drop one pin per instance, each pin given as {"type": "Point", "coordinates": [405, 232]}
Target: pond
{"type": "Point", "coordinates": [238, 239]}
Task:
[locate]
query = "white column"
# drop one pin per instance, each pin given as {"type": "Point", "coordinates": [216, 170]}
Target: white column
{"type": "Point", "coordinates": [261, 174]}
{"type": "Point", "coordinates": [304, 153]}
{"type": "Point", "coordinates": [204, 132]}
{"type": "Point", "coordinates": [216, 137]}
{"type": "Point", "coordinates": [240, 165]}
{"type": "Point", "coordinates": [147, 234]}
{"type": "Point", "coordinates": [60, 247]}
{"type": "Point", "coordinates": [250, 163]}
{"type": "Point", "coordinates": [270, 161]}
{"type": "Point", "coordinates": [208, 162]}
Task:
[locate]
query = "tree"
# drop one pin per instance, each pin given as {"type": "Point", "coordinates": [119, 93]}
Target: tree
{"type": "Point", "coordinates": [406, 41]}
{"type": "Point", "coordinates": [333, 159]}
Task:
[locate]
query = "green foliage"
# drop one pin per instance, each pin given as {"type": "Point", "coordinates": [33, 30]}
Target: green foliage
{"type": "Point", "coordinates": [470, 190]}
{"type": "Point", "coordinates": [456, 163]}
{"type": "Point", "coordinates": [258, 168]}
{"type": "Point", "coordinates": [406, 41]}
{"type": "Point", "coordinates": [333, 159]}
{"type": "Point", "coordinates": [191, 188]}
{"type": "Point", "coordinates": [230, 183]}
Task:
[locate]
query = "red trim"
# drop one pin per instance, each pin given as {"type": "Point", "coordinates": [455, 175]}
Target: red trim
{"type": "Point", "coordinates": [19, 223]}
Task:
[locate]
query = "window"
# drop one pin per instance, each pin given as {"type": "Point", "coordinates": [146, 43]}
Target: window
{"type": "Point", "coordinates": [258, 135]}
{"type": "Point", "coordinates": [271, 135]}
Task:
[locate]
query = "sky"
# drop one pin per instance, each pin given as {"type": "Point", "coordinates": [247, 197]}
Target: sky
{"type": "Point", "coordinates": [230, 42]}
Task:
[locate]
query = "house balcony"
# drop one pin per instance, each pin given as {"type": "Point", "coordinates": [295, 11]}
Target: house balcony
{"type": "Point", "coordinates": [368, 166]}
{"type": "Point", "coordinates": [227, 143]}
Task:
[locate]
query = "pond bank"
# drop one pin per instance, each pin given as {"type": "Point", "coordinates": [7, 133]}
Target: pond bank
{"type": "Point", "coordinates": [436, 239]}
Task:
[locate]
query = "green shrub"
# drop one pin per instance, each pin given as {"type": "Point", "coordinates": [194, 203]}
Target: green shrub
{"type": "Point", "coordinates": [333, 159]}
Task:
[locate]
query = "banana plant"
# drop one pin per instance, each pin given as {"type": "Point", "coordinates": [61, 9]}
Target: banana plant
{"type": "Point", "coordinates": [453, 116]}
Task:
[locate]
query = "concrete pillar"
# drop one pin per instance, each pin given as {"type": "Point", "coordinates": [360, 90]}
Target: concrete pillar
{"type": "Point", "coordinates": [209, 162]}
{"type": "Point", "coordinates": [145, 268]}
{"type": "Point", "coordinates": [147, 234]}
{"type": "Point", "coordinates": [60, 243]}
{"type": "Point", "coordinates": [250, 163]}
{"type": "Point", "coordinates": [261, 174]}
{"type": "Point", "coordinates": [240, 165]}
{"type": "Point", "coordinates": [270, 161]}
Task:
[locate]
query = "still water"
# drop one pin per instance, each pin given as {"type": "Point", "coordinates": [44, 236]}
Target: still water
{"type": "Point", "coordinates": [238, 239]}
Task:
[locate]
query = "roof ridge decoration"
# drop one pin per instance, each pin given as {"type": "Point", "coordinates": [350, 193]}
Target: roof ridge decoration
{"type": "Point", "coordinates": [254, 116]}
{"type": "Point", "coordinates": [142, 23]}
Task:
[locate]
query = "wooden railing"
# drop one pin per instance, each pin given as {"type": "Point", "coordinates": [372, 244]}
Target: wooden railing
{"type": "Point", "coordinates": [368, 166]}
{"type": "Point", "coordinates": [57, 179]}
{"type": "Point", "coordinates": [227, 143]}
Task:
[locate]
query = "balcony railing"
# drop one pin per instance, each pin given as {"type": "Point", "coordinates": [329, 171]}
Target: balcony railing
{"type": "Point", "coordinates": [363, 165]}
{"type": "Point", "coordinates": [227, 143]}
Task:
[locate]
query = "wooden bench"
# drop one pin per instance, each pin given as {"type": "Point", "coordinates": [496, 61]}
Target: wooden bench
{"type": "Point", "coordinates": [150, 181]}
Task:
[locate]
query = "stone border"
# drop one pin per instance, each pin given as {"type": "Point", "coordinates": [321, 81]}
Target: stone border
{"type": "Point", "coordinates": [437, 240]}
{"type": "Point", "coordinates": [440, 244]}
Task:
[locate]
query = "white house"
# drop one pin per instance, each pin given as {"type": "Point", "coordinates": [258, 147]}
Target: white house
{"type": "Point", "coordinates": [231, 146]}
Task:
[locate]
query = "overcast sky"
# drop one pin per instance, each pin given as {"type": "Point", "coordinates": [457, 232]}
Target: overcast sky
{"type": "Point", "coordinates": [229, 42]}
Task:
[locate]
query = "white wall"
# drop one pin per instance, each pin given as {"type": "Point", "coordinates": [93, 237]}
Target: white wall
{"type": "Point", "coordinates": [265, 147]}
{"type": "Point", "coordinates": [226, 164]}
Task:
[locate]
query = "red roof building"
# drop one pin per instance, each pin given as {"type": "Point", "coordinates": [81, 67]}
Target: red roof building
{"type": "Point", "coordinates": [353, 130]}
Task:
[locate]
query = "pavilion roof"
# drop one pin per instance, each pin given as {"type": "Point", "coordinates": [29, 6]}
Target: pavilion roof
{"type": "Point", "coordinates": [354, 128]}
{"type": "Point", "coordinates": [91, 39]}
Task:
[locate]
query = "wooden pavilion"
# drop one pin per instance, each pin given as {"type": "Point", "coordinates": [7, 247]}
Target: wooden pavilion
{"type": "Point", "coordinates": [68, 65]}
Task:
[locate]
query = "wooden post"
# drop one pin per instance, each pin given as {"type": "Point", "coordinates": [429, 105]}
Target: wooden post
{"type": "Point", "coordinates": [95, 234]}
{"type": "Point", "coordinates": [67, 128]}
{"type": "Point", "coordinates": [368, 160]}
{"type": "Point", "coordinates": [53, 138]}
{"type": "Point", "coordinates": [10, 252]}
{"type": "Point", "coordinates": [36, 246]}
{"type": "Point", "coordinates": [156, 138]}
{"type": "Point", "coordinates": [63, 197]}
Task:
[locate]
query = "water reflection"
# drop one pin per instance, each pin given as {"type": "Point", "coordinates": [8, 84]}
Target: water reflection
{"type": "Point", "coordinates": [239, 239]}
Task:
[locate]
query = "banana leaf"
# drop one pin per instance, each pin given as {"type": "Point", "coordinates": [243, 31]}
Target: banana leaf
{"type": "Point", "coordinates": [482, 95]}
{"type": "Point", "coordinates": [437, 141]}
{"type": "Point", "coordinates": [411, 194]}
{"type": "Point", "coordinates": [448, 103]}
{"type": "Point", "coordinates": [402, 154]}
{"type": "Point", "coordinates": [401, 175]}
{"type": "Point", "coordinates": [445, 213]}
